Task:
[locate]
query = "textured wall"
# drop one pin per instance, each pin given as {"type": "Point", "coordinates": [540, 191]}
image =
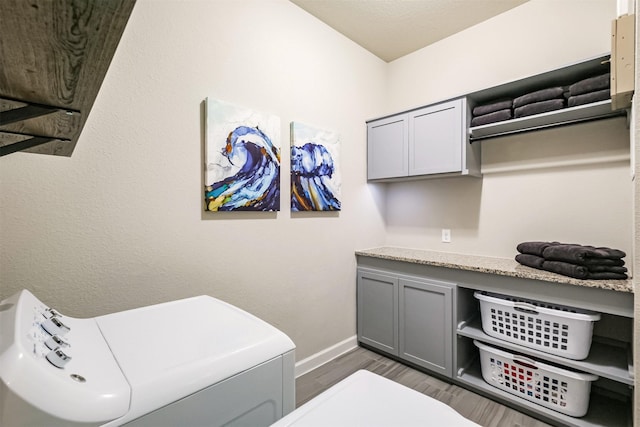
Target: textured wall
{"type": "Point", "coordinates": [567, 184]}
{"type": "Point", "coordinates": [120, 224]}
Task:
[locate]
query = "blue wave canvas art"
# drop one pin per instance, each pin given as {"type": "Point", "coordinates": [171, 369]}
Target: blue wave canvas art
{"type": "Point", "coordinates": [242, 159]}
{"type": "Point", "coordinates": [315, 173]}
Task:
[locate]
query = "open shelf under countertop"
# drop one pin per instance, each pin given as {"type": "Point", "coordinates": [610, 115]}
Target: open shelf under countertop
{"type": "Point", "coordinates": [603, 411]}
{"type": "Point", "coordinates": [605, 359]}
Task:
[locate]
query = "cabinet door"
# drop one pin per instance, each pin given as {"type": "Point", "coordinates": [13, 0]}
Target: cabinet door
{"type": "Point", "coordinates": [377, 311]}
{"type": "Point", "coordinates": [436, 138]}
{"type": "Point", "coordinates": [387, 147]}
{"type": "Point", "coordinates": [426, 324]}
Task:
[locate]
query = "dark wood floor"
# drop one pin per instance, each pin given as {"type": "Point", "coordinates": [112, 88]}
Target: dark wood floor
{"type": "Point", "coordinates": [470, 405]}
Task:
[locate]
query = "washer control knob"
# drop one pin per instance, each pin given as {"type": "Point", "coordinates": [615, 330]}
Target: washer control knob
{"type": "Point", "coordinates": [57, 358]}
{"type": "Point", "coordinates": [54, 326]}
{"type": "Point", "coordinates": [49, 313]}
{"type": "Point", "coordinates": [54, 342]}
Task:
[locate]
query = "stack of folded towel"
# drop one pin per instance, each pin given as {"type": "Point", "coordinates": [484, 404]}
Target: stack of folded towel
{"type": "Point", "coordinates": [538, 102]}
{"type": "Point", "coordinates": [592, 89]}
{"type": "Point", "coordinates": [586, 91]}
{"type": "Point", "coordinates": [578, 261]}
{"type": "Point", "coordinates": [496, 111]}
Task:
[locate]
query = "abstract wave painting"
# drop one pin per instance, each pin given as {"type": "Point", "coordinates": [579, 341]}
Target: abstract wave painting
{"type": "Point", "coordinates": [242, 159]}
{"type": "Point", "coordinates": [315, 173]}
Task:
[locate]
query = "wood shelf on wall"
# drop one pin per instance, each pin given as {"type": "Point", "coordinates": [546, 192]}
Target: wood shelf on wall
{"type": "Point", "coordinates": [54, 56]}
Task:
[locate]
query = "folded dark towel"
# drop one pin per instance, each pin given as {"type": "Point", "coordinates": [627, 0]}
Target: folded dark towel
{"type": "Point", "coordinates": [606, 269]}
{"type": "Point", "coordinates": [564, 268]}
{"type": "Point", "coordinates": [534, 248]}
{"type": "Point", "coordinates": [491, 108]}
{"type": "Point", "coordinates": [577, 254]}
{"type": "Point", "coordinates": [530, 260]}
{"type": "Point", "coordinates": [591, 84]}
{"type": "Point", "coordinates": [497, 116]}
{"type": "Point", "coordinates": [538, 107]}
{"type": "Point", "coordinates": [539, 95]}
{"type": "Point", "coordinates": [588, 98]}
{"type": "Point", "coordinates": [567, 269]}
{"type": "Point", "coordinates": [604, 262]}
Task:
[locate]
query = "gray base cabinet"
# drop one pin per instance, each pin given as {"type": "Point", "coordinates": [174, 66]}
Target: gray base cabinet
{"type": "Point", "coordinates": [378, 310]}
{"type": "Point", "coordinates": [429, 316]}
{"type": "Point", "coordinates": [408, 317]}
{"type": "Point", "coordinates": [425, 325]}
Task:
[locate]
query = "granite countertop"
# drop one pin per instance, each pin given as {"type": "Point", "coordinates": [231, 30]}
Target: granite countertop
{"type": "Point", "coordinates": [483, 264]}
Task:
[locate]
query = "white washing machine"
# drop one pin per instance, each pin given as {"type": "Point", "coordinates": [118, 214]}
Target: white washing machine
{"type": "Point", "coordinates": [192, 362]}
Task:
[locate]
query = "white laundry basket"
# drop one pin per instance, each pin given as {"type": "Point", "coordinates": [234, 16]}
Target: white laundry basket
{"type": "Point", "coordinates": [552, 328]}
{"type": "Point", "coordinates": [552, 387]}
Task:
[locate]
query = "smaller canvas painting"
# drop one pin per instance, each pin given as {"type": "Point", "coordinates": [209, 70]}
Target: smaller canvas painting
{"type": "Point", "coordinates": [315, 173]}
{"type": "Point", "coordinates": [242, 159]}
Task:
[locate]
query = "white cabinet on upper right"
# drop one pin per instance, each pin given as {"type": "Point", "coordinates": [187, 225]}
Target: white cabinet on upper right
{"type": "Point", "coordinates": [429, 141]}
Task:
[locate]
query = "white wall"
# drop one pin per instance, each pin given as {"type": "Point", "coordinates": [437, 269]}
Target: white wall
{"type": "Point", "coordinates": [566, 184]}
{"type": "Point", "coordinates": [120, 223]}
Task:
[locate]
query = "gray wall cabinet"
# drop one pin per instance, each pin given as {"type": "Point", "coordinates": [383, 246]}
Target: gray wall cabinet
{"type": "Point", "coordinates": [436, 136]}
{"type": "Point", "coordinates": [408, 317]}
{"type": "Point", "coordinates": [388, 147]}
{"type": "Point", "coordinates": [436, 140]}
{"type": "Point", "coordinates": [430, 141]}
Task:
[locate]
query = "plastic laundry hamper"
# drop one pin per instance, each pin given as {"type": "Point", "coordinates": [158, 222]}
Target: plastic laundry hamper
{"type": "Point", "coordinates": [556, 329]}
{"type": "Point", "coordinates": [552, 387]}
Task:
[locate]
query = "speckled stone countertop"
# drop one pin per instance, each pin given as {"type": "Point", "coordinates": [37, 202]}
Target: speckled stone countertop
{"type": "Point", "coordinates": [501, 266]}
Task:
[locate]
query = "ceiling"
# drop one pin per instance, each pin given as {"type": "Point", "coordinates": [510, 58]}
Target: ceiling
{"type": "Point", "coordinates": [393, 28]}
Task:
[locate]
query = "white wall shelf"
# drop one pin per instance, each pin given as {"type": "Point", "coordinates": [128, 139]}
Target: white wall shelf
{"type": "Point", "coordinates": [560, 77]}
{"type": "Point", "coordinates": [580, 113]}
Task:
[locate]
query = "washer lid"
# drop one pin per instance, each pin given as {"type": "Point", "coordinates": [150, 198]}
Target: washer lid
{"type": "Point", "coordinates": [168, 351]}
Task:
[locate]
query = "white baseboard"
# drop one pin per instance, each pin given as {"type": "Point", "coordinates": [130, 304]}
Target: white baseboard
{"type": "Point", "coordinates": [328, 354]}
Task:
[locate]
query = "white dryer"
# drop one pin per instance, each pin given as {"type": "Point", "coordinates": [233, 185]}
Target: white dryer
{"type": "Point", "coordinates": [366, 399]}
{"type": "Point", "coordinates": [192, 362]}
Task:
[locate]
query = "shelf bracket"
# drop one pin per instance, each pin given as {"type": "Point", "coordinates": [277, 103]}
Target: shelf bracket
{"type": "Point", "coordinates": [24, 113]}
{"type": "Point", "coordinates": [29, 111]}
{"type": "Point", "coordinates": [32, 141]}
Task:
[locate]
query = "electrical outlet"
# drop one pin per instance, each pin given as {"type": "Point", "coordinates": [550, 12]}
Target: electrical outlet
{"type": "Point", "coordinates": [446, 235]}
